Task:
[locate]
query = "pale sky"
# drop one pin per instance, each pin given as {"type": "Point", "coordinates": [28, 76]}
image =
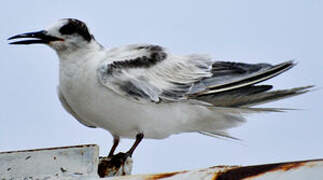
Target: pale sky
{"type": "Point", "coordinates": [250, 31]}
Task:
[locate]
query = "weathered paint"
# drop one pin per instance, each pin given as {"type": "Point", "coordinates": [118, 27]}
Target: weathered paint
{"type": "Point", "coordinates": [81, 163]}
{"type": "Point", "coordinates": [50, 162]}
{"type": "Point", "coordinates": [300, 170]}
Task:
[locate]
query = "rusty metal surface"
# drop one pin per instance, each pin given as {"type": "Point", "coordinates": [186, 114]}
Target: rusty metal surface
{"type": "Point", "coordinates": [81, 163]}
{"type": "Point", "coordinates": [289, 170]}
{"type": "Point", "coordinates": [300, 170]}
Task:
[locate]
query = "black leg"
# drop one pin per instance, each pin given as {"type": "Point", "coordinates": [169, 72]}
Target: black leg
{"type": "Point", "coordinates": [114, 164]}
{"type": "Point", "coordinates": [116, 140]}
{"type": "Point", "coordinates": [139, 137]}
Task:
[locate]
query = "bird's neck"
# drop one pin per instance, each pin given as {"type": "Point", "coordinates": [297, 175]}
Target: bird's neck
{"type": "Point", "coordinates": [79, 53]}
{"type": "Point", "coordinates": [71, 62]}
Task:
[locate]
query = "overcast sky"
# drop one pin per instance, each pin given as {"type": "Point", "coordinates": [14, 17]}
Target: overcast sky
{"type": "Point", "coordinates": [250, 31]}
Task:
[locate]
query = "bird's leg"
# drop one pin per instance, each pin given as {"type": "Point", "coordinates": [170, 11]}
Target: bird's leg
{"type": "Point", "coordinates": [116, 140]}
{"type": "Point", "coordinates": [139, 137]}
{"type": "Point", "coordinates": [119, 164]}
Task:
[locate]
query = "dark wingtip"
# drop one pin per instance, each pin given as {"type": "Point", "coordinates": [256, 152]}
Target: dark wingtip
{"type": "Point", "coordinates": [305, 89]}
{"type": "Point", "coordinates": [290, 63]}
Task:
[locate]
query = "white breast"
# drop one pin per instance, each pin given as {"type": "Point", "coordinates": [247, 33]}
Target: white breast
{"type": "Point", "coordinates": [101, 107]}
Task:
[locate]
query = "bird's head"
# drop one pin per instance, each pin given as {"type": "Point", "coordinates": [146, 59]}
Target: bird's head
{"type": "Point", "coordinates": [66, 34]}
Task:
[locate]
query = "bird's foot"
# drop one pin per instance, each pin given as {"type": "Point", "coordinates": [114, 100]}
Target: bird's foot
{"type": "Point", "coordinates": [115, 165]}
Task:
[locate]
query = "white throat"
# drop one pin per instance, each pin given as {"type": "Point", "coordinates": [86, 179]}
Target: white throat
{"type": "Point", "coordinates": [74, 51]}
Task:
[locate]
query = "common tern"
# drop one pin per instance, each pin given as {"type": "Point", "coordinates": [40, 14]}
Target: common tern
{"type": "Point", "coordinates": [143, 91]}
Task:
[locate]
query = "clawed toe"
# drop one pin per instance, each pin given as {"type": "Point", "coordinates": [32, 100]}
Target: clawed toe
{"type": "Point", "coordinates": [115, 165]}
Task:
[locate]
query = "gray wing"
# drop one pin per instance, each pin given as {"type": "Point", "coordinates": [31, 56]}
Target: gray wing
{"type": "Point", "coordinates": [148, 73]}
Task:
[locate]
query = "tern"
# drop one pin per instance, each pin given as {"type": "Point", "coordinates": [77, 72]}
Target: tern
{"type": "Point", "coordinates": [142, 91]}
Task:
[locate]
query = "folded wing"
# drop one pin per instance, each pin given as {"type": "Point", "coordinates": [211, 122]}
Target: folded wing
{"type": "Point", "coordinates": [147, 73]}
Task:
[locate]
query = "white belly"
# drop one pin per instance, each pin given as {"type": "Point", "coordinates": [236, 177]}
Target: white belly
{"type": "Point", "coordinates": [101, 107]}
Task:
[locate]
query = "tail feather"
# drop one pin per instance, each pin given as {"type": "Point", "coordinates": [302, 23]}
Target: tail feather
{"type": "Point", "coordinates": [219, 134]}
{"type": "Point", "coordinates": [247, 100]}
{"type": "Point", "coordinates": [253, 78]}
{"type": "Point", "coordinates": [234, 96]}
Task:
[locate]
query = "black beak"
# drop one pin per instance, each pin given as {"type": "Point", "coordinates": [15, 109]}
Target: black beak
{"type": "Point", "coordinates": [39, 37]}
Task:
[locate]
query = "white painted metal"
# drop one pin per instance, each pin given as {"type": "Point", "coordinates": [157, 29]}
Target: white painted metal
{"type": "Point", "coordinates": [76, 161]}
{"type": "Point", "coordinates": [81, 162]}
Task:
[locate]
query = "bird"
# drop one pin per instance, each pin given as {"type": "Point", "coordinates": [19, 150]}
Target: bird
{"type": "Point", "coordinates": [143, 91]}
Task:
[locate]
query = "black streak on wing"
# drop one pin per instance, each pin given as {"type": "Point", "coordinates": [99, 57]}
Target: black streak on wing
{"type": "Point", "coordinates": [156, 55]}
{"type": "Point", "coordinates": [132, 90]}
{"type": "Point", "coordinates": [75, 26]}
{"type": "Point", "coordinates": [243, 91]}
{"type": "Point", "coordinates": [263, 75]}
{"type": "Point", "coordinates": [226, 99]}
{"type": "Point", "coordinates": [223, 68]}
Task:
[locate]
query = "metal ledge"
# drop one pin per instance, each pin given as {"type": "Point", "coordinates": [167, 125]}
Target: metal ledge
{"type": "Point", "coordinates": [81, 163]}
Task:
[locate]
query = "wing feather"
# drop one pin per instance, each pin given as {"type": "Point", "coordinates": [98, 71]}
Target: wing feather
{"type": "Point", "coordinates": [147, 73]}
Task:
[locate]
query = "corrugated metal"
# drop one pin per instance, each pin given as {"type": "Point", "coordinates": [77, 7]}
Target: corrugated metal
{"type": "Point", "coordinates": [81, 163]}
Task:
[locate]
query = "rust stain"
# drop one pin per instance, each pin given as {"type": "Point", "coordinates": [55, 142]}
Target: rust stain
{"type": "Point", "coordinates": [223, 166]}
{"type": "Point", "coordinates": [239, 173]}
{"type": "Point", "coordinates": [244, 172]}
{"type": "Point", "coordinates": [295, 165]}
{"type": "Point", "coordinates": [163, 175]}
{"type": "Point", "coordinates": [108, 165]}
